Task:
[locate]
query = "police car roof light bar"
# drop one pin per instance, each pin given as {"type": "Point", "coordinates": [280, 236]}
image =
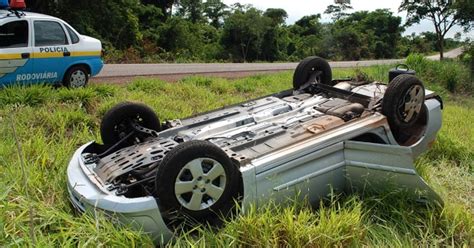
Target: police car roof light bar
{"type": "Point", "coordinates": [17, 5]}
{"type": "Point", "coordinates": [4, 4]}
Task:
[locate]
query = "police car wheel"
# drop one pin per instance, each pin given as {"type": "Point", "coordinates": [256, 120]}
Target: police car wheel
{"type": "Point", "coordinates": [76, 77]}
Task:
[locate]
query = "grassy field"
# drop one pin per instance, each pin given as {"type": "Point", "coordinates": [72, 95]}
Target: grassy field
{"type": "Point", "coordinates": [51, 123]}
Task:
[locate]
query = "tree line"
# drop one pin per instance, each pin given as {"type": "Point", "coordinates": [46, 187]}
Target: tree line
{"type": "Point", "coordinates": [210, 31]}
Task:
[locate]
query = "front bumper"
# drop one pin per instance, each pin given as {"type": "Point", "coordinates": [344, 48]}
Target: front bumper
{"type": "Point", "coordinates": [142, 213]}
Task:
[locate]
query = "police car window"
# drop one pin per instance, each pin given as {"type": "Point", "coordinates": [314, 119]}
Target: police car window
{"type": "Point", "coordinates": [48, 33]}
{"type": "Point", "coordinates": [73, 35]}
{"type": "Point", "coordinates": [14, 34]}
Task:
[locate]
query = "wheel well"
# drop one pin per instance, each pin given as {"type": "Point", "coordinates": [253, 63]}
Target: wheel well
{"type": "Point", "coordinates": [86, 66]}
{"type": "Point", "coordinates": [369, 137]}
{"type": "Point", "coordinates": [88, 69]}
{"type": "Point", "coordinates": [409, 136]}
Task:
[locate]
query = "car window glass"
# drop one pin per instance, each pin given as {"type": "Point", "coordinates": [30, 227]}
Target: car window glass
{"type": "Point", "coordinates": [49, 33]}
{"type": "Point", "coordinates": [73, 35]}
{"type": "Point", "coordinates": [14, 34]}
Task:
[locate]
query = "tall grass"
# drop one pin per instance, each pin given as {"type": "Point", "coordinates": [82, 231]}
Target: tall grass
{"type": "Point", "coordinates": [451, 75]}
{"type": "Point", "coordinates": [52, 123]}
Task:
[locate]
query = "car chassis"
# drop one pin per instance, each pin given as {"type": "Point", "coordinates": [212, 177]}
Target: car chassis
{"type": "Point", "coordinates": [322, 136]}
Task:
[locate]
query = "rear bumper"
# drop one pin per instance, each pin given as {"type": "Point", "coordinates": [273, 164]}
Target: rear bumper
{"type": "Point", "coordinates": [142, 213]}
{"type": "Point", "coordinates": [97, 67]}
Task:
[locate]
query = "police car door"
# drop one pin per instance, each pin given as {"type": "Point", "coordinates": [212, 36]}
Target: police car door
{"type": "Point", "coordinates": [51, 51]}
{"type": "Point", "coordinates": [15, 50]}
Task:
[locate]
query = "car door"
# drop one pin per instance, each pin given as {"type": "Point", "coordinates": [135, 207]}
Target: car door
{"type": "Point", "coordinates": [306, 171]}
{"type": "Point", "coordinates": [382, 168]}
{"type": "Point", "coordinates": [51, 51]}
{"type": "Point", "coordinates": [15, 52]}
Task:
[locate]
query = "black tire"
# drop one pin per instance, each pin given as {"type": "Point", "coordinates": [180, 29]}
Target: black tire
{"type": "Point", "coordinates": [307, 67]}
{"type": "Point", "coordinates": [174, 167]}
{"type": "Point", "coordinates": [116, 122]}
{"type": "Point", "coordinates": [76, 77]}
{"type": "Point", "coordinates": [404, 91]}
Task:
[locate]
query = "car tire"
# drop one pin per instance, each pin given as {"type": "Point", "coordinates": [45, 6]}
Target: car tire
{"type": "Point", "coordinates": [76, 77]}
{"type": "Point", "coordinates": [115, 124]}
{"type": "Point", "coordinates": [403, 101]}
{"type": "Point", "coordinates": [306, 69]}
{"type": "Point", "coordinates": [197, 181]}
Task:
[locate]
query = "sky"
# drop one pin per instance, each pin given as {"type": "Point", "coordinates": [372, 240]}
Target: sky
{"type": "Point", "coordinates": [299, 8]}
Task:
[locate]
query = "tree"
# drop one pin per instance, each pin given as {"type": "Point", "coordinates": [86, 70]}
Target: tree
{"type": "Point", "coordinates": [308, 25]}
{"type": "Point", "coordinates": [431, 40]}
{"type": "Point", "coordinates": [190, 9]}
{"type": "Point", "coordinates": [42, 6]}
{"type": "Point", "coordinates": [243, 33]}
{"type": "Point", "coordinates": [241, 7]}
{"type": "Point", "coordinates": [385, 29]}
{"type": "Point", "coordinates": [215, 10]}
{"type": "Point", "coordinates": [413, 44]}
{"type": "Point", "coordinates": [366, 34]}
{"type": "Point", "coordinates": [166, 6]}
{"type": "Point", "coordinates": [465, 13]}
{"type": "Point", "coordinates": [185, 40]}
{"type": "Point", "coordinates": [442, 13]}
{"type": "Point", "coordinates": [349, 42]}
{"type": "Point", "coordinates": [114, 22]}
{"type": "Point", "coordinates": [278, 16]}
{"type": "Point", "coordinates": [338, 11]}
{"type": "Point", "coordinates": [276, 35]}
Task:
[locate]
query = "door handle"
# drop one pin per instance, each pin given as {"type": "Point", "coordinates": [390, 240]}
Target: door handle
{"type": "Point", "coordinates": [67, 54]}
{"type": "Point", "coordinates": [25, 55]}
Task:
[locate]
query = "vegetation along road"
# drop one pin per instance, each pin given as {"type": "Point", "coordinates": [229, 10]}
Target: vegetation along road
{"type": "Point", "coordinates": [172, 72]}
{"type": "Point", "coordinates": [51, 123]}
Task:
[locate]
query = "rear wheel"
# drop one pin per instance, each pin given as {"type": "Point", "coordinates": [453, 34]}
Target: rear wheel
{"type": "Point", "coordinates": [403, 102]}
{"type": "Point", "coordinates": [197, 179]}
{"type": "Point", "coordinates": [76, 77]}
{"type": "Point", "coordinates": [311, 70]}
{"type": "Point", "coordinates": [117, 123]}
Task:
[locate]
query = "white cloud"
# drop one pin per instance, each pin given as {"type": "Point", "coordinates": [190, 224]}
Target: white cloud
{"type": "Point", "coordinates": [299, 8]}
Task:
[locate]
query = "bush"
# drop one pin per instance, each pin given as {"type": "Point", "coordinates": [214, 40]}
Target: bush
{"type": "Point", "coordinates": [25, 95]}
{"type": "Point", "coordinates": [451, 75]}
{"type": "Point", "coordinates": [467, 56]}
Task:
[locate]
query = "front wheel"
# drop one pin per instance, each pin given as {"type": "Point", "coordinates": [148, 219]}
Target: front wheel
{"type": "Point", "coordinates": [197, 179]}
{"type": "Point", "coordinates": [76, 77]}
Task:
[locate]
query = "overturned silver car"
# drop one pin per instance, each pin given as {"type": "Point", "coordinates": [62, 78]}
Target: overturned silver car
{"type": "Point", "coordinates": [319, 137]}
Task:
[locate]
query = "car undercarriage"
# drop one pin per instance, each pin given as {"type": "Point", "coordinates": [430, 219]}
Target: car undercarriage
{"type": "Point", "coordinates": [321, 136]}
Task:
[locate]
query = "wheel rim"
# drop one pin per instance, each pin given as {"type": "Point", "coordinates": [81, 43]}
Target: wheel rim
{"type": "Point", "coordinates": [411, 103]}
{"type": "Point", "coordinates": [125, 127]}
{"type": "Point", "coordinates": [315, 76]}
{"type": "Point", "coordinates": [200, 184]}
{"type": "Point", "coordinates": [78, 79]}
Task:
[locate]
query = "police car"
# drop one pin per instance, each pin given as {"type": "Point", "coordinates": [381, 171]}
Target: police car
{"type": "Point", "coordinates": [37, 48]}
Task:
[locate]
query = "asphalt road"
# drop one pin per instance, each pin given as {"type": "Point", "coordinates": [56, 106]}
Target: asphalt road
{"type": "Point", "coordinates": [122, 71]}
{"type": "Point", "coordinates": [449, 54]}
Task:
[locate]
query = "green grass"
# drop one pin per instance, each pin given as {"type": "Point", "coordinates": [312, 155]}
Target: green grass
{"type": "Point", "coordinates": [52, 123]}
